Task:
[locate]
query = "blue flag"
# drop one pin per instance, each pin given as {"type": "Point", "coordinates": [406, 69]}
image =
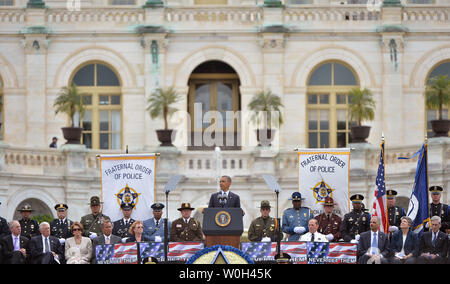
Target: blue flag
{"type": "Point", "coordinates": [418, 203]}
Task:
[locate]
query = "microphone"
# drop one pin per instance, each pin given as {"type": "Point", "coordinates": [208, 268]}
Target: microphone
{"type": "Point", "coordinates": [222, 199]}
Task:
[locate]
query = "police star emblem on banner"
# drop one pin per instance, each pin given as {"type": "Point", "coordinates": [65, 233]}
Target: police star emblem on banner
{"type": "Point", "coordinates": [128, 196]}
{"type": "Point", "coordinates": [321, 191]}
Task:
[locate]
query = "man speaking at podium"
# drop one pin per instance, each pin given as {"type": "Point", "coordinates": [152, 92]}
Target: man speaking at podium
{"type": "Point", "coordinates": [224, 198]}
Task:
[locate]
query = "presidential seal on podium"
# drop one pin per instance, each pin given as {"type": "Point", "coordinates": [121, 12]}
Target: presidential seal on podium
{"type": "Point", "coordinates": [223, 218]}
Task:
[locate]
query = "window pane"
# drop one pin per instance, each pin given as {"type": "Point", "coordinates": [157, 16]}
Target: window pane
{"type": "Point", "coordinates": [115, 100]}
{"type": "Point", "coordinates": [6, 3]}
{"type": "Point", "coordinates": [104, 120]}
{"type": "Point", "coordinates": [324, 99]}
{"type": "Point", "coordinates": [87, 140]}
{"type": "Point", "coordinates": [343, 75]}
{"type": "Point", "coordinates": [300, 1]}
{"type": "Point", "coordinates": [341, 99]}
{"type": "Point", "coordinates": [324, 120]}
{"type": "Point", "coordinates": [123, 2]}
{"type": "Point", "coordinates": [313, 116]}
{"type": "Point", "coordinates": [313, 140]}
{"type": "Point", "coordinates": [84, 76]}
{"type": "Point", "coordinates": [106, 77]}
{"type": "Point", "coordinates": [421, 1]}
{"type": "Point", "coordinates": [321, 76]}
{"type": "Point", "coordinates": [104, 141]}
{"type": "Point", "coordinates": [104, 100]}
{"type": "Point", "coordinates": [87, 120]}
{"type": "Point", "coordinates": [115, 120]}
{"type": "Point", "coordinates": [324, 140]}
{"type": "Point", "coordinates": [341, 119]}
{"type": "Point", "coordinates": [201, 97]}
{"type": "Point", "coordinates": [312, 99]}
{"type": "Point", "coordinates": [341, 139]}
{"type": "Point", "coordinates": [87, 100]}
{"type": "Point", "coordinates": [225, 103]}
{"type": "Point", "coordinates": [115, 141]}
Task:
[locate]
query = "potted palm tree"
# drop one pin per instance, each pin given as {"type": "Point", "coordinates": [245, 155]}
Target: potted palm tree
{"type": "Point", "coordinates": [70, 102]}
{"type": "Point", "coordinates": [159, 105]}
{"type": "Point", "coordinates": [437, 94]}
{"type": "Point", "coordinates": [361, 107]}
{"type": "Point", "coordinates": [265, 107]}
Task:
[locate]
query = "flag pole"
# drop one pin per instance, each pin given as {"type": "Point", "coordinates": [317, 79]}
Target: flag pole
{"type": "Point", "coordinates": [428, 189]}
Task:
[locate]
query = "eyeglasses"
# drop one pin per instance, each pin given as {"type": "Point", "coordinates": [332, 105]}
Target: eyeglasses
{"type": "Point", "coordinates": [76, 229]}
{"type": "Point", "coordinates": [139, 227]}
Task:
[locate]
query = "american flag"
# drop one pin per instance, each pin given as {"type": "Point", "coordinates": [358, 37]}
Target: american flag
{"type": "Point", "coordinates": [118, 253]}
{"type": "Point", "coordinates": [103, 253]}
{"type": "Point", "coordinates": [152, 249]}
{"type": "Point", "coordinates": [303, 252]}
{"type": "Point", "coordinates": [183, 250]}
{"type": "Point", "coordinates": [379, 204]}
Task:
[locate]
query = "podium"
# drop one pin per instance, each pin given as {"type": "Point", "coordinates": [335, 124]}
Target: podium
{"type": "Point", "coordinates": [223, 226]}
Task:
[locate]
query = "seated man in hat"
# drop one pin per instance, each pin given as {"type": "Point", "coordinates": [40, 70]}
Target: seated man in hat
{"type": "Point", "coordinates": [295, 219]}
{"type": "Point", "coordinates": [329, 223]}
{"type": "Point", "coordinates": [154, 227]}
{"type": "Point", "coordinates": [395, 213]}
{"type": "Point", "coordinates": [186, 229]}
{"type": "Point", "coordinates": [264, 228]}
{"type": "Point", "coordinates": [92, 222]}
{"type": "Point", "coordinates": [30, 228]}
{"type": "Point", "coordinates": [439, 209]}
{"type": "Point", "coordinates": [355, 222]}
{"type": "Point", "coordinates": [122, 226]}
{"type": "Point", "coordinates": [60, 227]}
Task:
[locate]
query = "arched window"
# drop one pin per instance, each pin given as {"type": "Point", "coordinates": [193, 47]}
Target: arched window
{"type": "Point", "coordinates": [442, 68]}
{"type": "Point", "coordinates": [102, 121]}
{"type": "Point", "coordinates": [327, 97]}
{"type": "Point", "coordinates": [214, 86]}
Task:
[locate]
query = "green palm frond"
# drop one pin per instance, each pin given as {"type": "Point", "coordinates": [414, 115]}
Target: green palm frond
{"type": "Point", "coordinates": [437, 93]}
{"type": "Point", "coordinates": [361, 105]}
{"type": "Point", "coordinates": [69, 101]}
{"type": "Point", "coordinates": [262, 105]}
{"type": "Point", "coordinates": [160, 101]}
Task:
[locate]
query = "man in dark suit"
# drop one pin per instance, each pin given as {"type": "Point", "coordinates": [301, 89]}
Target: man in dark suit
{"type": "Point", "coordinates": [373, 245]}
{"type": "Point", "coordinates": [433, 244]}
{"type": "Point", "coordinates": [45, 249]}
{"type": "Point", "coordinates": [404, 249]}
{"type": "Point", "coordinates": [105, 238]}
{"type": "Point", "coordinates": [224, 198]}
{"type": "Point", "coordinates": [4, 228]}
{"type": "Point", "coordinates": [14, 246]}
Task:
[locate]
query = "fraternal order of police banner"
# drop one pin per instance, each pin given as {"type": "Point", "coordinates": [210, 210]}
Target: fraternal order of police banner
{"type": "Point", "coordinates": [128, 179]}
{"type": "Point", "coordinates": [324, 173]}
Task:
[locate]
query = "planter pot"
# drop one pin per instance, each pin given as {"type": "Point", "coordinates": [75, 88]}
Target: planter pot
{"type": "Point", "coordinates": [265, 136]}
{"type": "Point", "coordinates": [440, 127]}
{"type": "Point", "coordinates": [165, 137]}
{"type": "Point", "coordinates": [72, 134]}
{"type": "Point", "coordinates": [359, 134]}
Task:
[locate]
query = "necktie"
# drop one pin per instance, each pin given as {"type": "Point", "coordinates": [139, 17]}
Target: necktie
{"type": "Point", "coordinates": [312, 237]}
{"type": "Point", "coordinates": [107, 240]}
{"type": "Point", "coordinates": [434, 239]}
{"type": "Point", "coordinates": [16, 244]}
{"type": "Point", "coordinates": [374, 243]}
{"type": "Point", "coordinates": [157, 222]}
{"type": "Point", "coordinates": [46, 249]}
{"type": "Point", "coordinates": [185, 221]}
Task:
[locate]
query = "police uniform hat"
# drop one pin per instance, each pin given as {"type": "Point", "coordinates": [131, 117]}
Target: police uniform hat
{"type": "Point", "coordinates": [61, 206]}
{"type": "Point", "coordinates": [436, 189]}
{"type": "Point", "coordinates": [157, 206]}
{"type": "Point", "coordinates": [296, 196]}
{"type": "Point", "coordinates": [265, 204]}
{"type": "Point", "coordinates": [282, 257]}
{"type": "Point", "coordinates": [26, 208]}
{"type": "Point", "coordinates": [185, 206]}
{"type": "Point", "coordinates": [357, 198]}
{"type": "Point", "coordinates": [391, 194]}
{"type": "Point", "coordinates": [126, 206]}
{"type": "Point", "coordinates": [95, 200]}
{"type": "Point", "coordinates": [328, 201]}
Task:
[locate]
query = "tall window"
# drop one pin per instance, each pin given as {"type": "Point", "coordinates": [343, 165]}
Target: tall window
{"type": "Point", "coordinates": [327, 97]}
{"type": "Point", "coordinates": [214, 86]}
{"type": "Point", "coordinates": [6, 2]}
{"type": "Point", "coordinates": [102, 121]}
{"type": "Point", "coordinates": [441, 69]}
{"type": "Point", "coordinates": [122, 2]}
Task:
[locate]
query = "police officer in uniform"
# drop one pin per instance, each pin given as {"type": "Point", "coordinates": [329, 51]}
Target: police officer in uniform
{"type": "Point", "coordinates": [60, 227]}
{"type": "Point", "coordinates": [186, 229]}
{"type": "Point", "coordinates": [295, 219]}
{"type": "Point", "coordinates": [329, 223]}
{"type": "Point", "coordinates": [154, 227]}
{"type": "Point", "coordinates": [30, 228]}
{"type": "Point", "coordinates": [92, 222]}
{"type": "Point", "coordinates": [395, 213]}
{"type": "Point", "coordinates": [264, 228]}
{"type": "Point", "coordinates": [439, 209]}
{"type": "Point", "coordinates": [4, 228]}
{"type": "Point", "coordinates": [355, 222]}
{"type": "Point", "coordinates": [122, 226]}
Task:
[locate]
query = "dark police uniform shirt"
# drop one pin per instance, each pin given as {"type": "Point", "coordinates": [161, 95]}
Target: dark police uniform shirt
{"type": "Point", "coordinates": [92, 224]}
{"type": "Point", "coordinates": [395, 213]}
{"type": "Point", "coordinates": [443, 211]}
{"type": "Point", "coordinates": [261, 228]}
{"type": "Point", "coordinates": [182, 232]}
{"type": "Point", "coordinates": [354, 223]}
{"type": "Point", "coordinates": [330, 225]}
{"type": "Point", "coordinates": [121, 229]}
{"type": "Point", "coordinates": [30, 228]}
{"type": "Point", "coordinates": [4, 228]}
{"type": "Point", "coordinates": [61, 229]}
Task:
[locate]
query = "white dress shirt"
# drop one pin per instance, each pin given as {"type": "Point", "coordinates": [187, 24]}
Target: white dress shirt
{"type": "Point", "coordinates": [318, 237]}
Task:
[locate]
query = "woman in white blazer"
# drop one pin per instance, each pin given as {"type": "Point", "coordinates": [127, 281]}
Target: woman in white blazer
{"type": "Point", "coordinates": [78, 248]}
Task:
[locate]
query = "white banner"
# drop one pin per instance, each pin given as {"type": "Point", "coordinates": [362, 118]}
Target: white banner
{"type": "Point", "coordinates": [128, 179]}
{"type": "Point", "coordinates": [324, 173]}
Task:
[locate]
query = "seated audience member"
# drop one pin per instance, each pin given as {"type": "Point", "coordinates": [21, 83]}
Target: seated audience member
{"type": "Point", "coordinates": [313, 235]}
{"type": "Point", "coordinates": [78, 248]}
{"type": "Point", "coordinates": [433, 244]}
{"type": "Point", "coordinates": [104, 239]}
{"type": "Point", "coordinates": [404, 244]}
{"type": "Point", "coordinates": [14, 246]}
{"type": "Point", "coordinates": [137, 232]}
{"type": "Point", "coordinates": [45, 249]}
{"type": "Point", "coordinates": [373, 245]}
